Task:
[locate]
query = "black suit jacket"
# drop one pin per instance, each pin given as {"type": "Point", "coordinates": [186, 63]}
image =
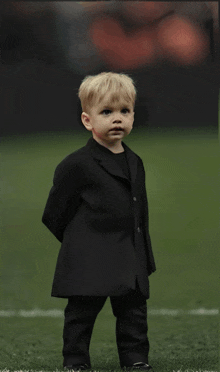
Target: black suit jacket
{"type": "Point", "coordinates": [101, 219]}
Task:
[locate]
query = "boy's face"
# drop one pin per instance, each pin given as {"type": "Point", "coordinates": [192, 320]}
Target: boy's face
{"type": "Point", "coordinates": [109, 122]}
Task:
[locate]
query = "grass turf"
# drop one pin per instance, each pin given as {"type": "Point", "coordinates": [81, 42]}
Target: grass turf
{"type": "Point", "coordinates": [176, 342]}
{"type": "Point", "coordinates": [182, 185]}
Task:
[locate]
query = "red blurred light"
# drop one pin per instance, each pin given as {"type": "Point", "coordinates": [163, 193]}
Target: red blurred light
{"type": "Point", "coordinates": [182, 41]}
{"type": "Point", "coordinates": [119, 50]}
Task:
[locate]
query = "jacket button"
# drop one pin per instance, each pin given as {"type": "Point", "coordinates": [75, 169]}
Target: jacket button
{"type": "Point", "coordinates": [134, 198]}
{"type": "Point", "coordinates": [138, 229]}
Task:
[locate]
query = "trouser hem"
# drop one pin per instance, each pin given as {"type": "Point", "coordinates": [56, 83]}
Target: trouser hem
{"type": "Point", "coordinates": [129, 360]}
{"type": "Point", "coordinates": [71, 360]}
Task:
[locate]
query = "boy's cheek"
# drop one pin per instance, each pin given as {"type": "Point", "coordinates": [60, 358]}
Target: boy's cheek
{"type": "Point", "coordinates": [97, 133]}
{"type": "Point", "coordinates": [129, 131]}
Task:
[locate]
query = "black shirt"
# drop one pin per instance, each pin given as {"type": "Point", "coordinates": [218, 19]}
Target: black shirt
{"type": "Point", "coordinates": [120, 158]}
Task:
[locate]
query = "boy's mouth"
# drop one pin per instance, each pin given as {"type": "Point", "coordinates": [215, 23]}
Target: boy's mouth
{"type": "Point", "coordinates": [116, 129]}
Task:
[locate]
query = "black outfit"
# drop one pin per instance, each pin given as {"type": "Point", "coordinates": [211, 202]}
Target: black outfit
{"type": "Point", "coordinates": [98, 209]}
{"type": "Point", "coordinates": [130, 311]}
{"type": "Point", "coordinates": [101, 218]}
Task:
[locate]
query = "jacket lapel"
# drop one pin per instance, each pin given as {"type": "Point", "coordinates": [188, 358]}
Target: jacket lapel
{"type": "Point", "coordinates": [106, 160]}
{"type": "Point", "coordinates": [132, 162]}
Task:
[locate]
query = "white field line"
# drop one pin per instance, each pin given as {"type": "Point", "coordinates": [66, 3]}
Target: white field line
{"type": "Point", "coordinates": [179, 370]}
{"type": "Point", "coordinates": [55, 313]}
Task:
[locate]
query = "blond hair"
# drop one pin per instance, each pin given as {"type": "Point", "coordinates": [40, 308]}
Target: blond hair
{"type": "Point", "coordinates": [94, 88]}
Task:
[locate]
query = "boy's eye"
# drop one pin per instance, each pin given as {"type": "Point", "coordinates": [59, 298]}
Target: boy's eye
{"type": "Point", "coordinates": [106, 112]}
{"type": "Point", "coordinates": [125, 110]}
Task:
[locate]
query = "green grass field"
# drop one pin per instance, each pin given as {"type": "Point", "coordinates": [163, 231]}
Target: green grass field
{"type": "Point", "coordinates": [183, 193]}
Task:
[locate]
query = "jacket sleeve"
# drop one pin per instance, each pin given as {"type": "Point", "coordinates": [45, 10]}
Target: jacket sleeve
{"type": "Point", "coordinates": [63, 200]}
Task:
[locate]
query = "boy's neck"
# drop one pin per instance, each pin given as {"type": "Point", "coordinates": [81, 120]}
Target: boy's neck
{"type": "Point", "coordinates": [114, 147]}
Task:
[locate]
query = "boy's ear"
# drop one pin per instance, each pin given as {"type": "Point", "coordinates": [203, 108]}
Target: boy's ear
{"type": "Point", "coordinates": [86, 121]}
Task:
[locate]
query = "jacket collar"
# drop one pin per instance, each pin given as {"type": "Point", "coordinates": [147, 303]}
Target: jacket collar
{"type": "Point", "coordinates": [106, 160]}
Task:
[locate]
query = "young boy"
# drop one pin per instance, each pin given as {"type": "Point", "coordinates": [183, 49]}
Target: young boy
{"type": "Point", "coordinates": [97, 208]}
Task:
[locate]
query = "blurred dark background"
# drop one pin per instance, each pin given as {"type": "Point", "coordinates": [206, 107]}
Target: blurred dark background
{"type": "Point", "coordinates": [47, 49]}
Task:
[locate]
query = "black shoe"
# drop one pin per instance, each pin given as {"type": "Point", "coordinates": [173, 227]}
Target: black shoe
{"type": "Point", "coordinates": [75, 368]}
{"type": "Point", "coordinates": [139, 366]}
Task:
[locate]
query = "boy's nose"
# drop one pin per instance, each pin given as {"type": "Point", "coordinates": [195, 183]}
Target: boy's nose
{"type": "Point", "coordinates": [117, 118]}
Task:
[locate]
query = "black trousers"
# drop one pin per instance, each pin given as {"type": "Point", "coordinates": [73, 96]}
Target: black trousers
{"type": "Point", "coordinates": [130, 311]}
